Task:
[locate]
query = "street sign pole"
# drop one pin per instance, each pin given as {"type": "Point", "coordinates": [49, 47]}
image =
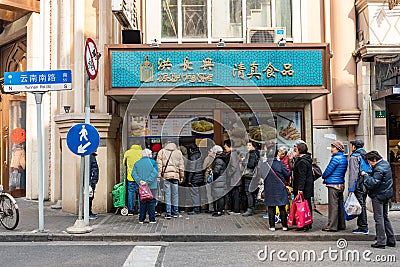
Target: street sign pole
{"type": "Point", "coordinates": [38, 98]}
{"type": "Point", "coordinates": [87, 158]}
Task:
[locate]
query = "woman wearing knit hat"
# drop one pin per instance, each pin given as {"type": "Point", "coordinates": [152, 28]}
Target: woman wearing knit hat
{"type": "Point", "coordinates": [334, 179]}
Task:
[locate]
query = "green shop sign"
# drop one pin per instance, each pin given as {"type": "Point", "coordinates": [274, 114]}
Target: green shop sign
{"type": "Point", "coordinates": [279, 68]}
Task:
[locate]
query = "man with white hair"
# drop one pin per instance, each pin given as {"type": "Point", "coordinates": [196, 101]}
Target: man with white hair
{"type": "Point", "coordinates": [145, 171]}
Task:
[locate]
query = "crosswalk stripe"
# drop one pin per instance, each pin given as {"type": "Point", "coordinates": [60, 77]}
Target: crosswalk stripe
{"type": "Point", "coordinates": [143, 256]}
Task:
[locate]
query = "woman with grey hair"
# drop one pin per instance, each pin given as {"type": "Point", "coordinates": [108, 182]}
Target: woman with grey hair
{"type": "Point", "coordinates": [145, 171]}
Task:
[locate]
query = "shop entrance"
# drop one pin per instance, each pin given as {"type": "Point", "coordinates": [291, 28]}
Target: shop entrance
{"type": "Point", "coordinates": [393, 126]}
{"type": "Point", "coordinates": [13, 122]}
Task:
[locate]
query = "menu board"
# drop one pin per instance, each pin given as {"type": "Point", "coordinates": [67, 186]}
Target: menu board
{"type": "Point", "coordinates": [171, 126]}
{"type": "Point", "coordinates": [289, 126]}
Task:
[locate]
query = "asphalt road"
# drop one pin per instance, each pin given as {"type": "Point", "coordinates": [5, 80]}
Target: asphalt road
{"type": "Point", "coordinates": [196, 254]}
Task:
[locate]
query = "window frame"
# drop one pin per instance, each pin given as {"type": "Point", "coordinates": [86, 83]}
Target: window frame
{"type": "Point", "coordinates": [211, 39]}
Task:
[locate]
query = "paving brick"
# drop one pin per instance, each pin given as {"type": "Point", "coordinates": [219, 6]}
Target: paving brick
{"type": "Point", "coordinates": [202, 227]}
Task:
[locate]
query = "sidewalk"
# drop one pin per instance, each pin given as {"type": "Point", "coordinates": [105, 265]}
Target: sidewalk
{"type": "Point", "coordinates": [202, 228]}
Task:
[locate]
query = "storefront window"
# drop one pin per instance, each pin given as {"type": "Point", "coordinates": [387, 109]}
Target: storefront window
{"type": "Point", "coordinates": [17, 175]}
{"type": "Point", "coordinates": [169, 20]}
{"type": "Point", "coordinates": [226, 18]}
{"type": "Point", "coordinates": [261, 13]}
{"type": "Point", "coordinates": [194, 13]}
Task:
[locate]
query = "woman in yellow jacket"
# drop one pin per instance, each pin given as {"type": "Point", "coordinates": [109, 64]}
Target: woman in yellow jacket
{"type": "Point", "coordinates": [130, 157]}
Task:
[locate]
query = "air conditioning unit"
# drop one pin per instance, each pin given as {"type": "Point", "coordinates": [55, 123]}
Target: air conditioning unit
{"type": "Point", "coordinates": [123, 13]}
{"type": "Point", "coordinates": [265, 34]}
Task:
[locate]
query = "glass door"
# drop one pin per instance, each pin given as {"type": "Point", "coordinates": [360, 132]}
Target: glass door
{"type": "Point", "coordinates": [13, 144]}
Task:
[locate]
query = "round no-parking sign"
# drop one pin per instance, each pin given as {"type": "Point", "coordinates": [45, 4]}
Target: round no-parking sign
{"type": "Point", "coordinates": [91, 58]}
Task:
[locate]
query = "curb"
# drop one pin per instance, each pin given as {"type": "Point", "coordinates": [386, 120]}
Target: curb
{"type": "Point", "coordinates": [123, 237]}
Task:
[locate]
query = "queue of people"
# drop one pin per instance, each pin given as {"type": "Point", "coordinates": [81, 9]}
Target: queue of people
{"type": "Point", "coordinates": [229, 173]}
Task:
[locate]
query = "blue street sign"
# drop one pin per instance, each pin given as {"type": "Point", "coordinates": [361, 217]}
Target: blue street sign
{"type": "Point", "coordinates": [37, 81]}
{"type": "Point", "coordinates": [83, 139]}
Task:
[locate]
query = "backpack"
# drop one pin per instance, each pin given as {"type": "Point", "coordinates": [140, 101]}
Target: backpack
{"type": "Point", "coordinates": [364, 166]}
{"type": "Point", "coordinates": [316, 171]}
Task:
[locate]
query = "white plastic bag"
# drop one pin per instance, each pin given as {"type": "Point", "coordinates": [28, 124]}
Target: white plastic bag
{"type": "Point", "coordinates": [352, 206]}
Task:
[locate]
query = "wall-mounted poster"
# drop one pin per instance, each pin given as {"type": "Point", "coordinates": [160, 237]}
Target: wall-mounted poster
{"type": "Point", "coordinates": [138, 125]}
{"type": "Point", "coordinates": [289, 126]}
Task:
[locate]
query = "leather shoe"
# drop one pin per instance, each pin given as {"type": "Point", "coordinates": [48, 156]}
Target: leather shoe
{"type": "Point", "coordinates": [392, 245]}
{"type": "Point", "coordinates": [376, 245]}
{"type": "Point", "coordinates": [326, 229]}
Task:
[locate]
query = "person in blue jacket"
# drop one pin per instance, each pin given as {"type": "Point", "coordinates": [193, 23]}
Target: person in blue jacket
{"type": "Point", "coordinates": [333, 177]}
{"type": "Point", "coordinates": [145, 171]}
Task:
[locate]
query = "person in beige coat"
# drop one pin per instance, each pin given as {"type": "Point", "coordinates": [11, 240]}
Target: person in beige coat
{"type": "Point", "coordinates": [171, 171]}
{"type": "Point", "coordinates": [17, 166]}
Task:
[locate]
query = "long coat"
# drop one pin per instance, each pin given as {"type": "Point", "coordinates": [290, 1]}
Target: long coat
{"type": "Point", "coordinates": [275, 193]}
{"type": "Point", "coordinates": [218, 168]}
{"type": "Point", "coordinates": [302, 176]}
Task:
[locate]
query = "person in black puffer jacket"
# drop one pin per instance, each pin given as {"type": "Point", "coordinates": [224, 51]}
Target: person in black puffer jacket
{"type": "Point", "coordinates": [195, 177]}
{"type": "Point", "coordinates": [250, 177]}
{"type": "Point", "coordinates": [303, 182]}
{"type": "Point", "coordinates": [218, 186]}
{"type": "Point", "coordinates": [379, 182]}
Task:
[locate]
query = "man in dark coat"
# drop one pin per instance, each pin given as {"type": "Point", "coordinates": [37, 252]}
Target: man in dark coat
{"type": "Point", "coordinates": [93, 179]}
{"type": "Point", "coordinates": [303, 182]}
{"type": "Point", "coordinates": [379, 182]}
{"type": "Point", "coordinates": [234, 175]}
{"type": "Point", "coordinates": [195, 177]}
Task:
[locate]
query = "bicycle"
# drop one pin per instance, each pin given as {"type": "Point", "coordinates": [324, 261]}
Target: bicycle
{"type": "Point", "coordinates": [9, 213]}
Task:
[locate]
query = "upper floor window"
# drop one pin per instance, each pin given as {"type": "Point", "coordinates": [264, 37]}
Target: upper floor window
{"type": "Point", "coordinates": [210, 20]}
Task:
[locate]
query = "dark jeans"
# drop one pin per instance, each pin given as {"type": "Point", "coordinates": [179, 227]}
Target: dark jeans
{"type": "Point", "coordinates": [336, 219]}
{"type": "Point", "coordinates": [219, 204]}
{"type": "Point", "coordinates": [382, 223]}
{"type": "Point", "coordinates": [150, 207]}
{"type": "Point", "coordinates": [235, 199]}
{"type": "Point", "coordinates": [362, 218]}
{"type": "Point", "coordinates": [251, 199]}
{"type": "Point", "coordinates": [272, 213]}
{"type": "Point", "coordinates": [196, 196]}
{"type": "Point", "coordinates": [90, 204]}
{"type": "Point", "coordinates": [133, 189]}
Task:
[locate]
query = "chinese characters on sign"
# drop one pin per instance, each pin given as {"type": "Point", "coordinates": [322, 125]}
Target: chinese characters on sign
{"type": "Point", "coordinates": [238, 70]}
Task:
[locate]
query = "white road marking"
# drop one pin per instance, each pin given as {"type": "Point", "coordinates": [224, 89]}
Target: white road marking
{"type": "Point", "coordinates": [143, 256]}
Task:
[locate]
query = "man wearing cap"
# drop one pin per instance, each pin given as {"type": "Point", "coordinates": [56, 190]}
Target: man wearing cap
{"type": "Point", "coordinates": [356, 185]}
{"type": "Point", "coordinates": [334, 179]}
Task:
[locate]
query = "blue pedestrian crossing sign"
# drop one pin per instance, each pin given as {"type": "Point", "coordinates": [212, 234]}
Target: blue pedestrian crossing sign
{"type": "Point", "coordinates": [83, 139]}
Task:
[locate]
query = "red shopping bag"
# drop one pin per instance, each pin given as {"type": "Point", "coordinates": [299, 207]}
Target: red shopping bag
{"type": "Point", "coordinates": [145, 193]}
{"type": "Point", "coordinates": [292, 213]}
{"type": "Point", "coordinates": [303, 213]}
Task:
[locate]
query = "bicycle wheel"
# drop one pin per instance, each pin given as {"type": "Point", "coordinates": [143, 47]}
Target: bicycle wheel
{"type": "Point", "coordinates": [9, 214]}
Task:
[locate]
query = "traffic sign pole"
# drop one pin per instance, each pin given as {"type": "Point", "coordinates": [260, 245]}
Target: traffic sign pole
{"type": "Point", "coordinates": [38, 98]}
{"type": "Point", "coordinates": [87, 158]}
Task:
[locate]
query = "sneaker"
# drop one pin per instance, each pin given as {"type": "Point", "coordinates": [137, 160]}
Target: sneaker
{"type": "Point", "coordinates": [93, 216]}
{"type": "Point", "coordinates": [140, 222]}
{"type": "Point", "coordinates": [361, 231]}
{"type": "Point", "coordinates": [284, 228]}
{"type": "Point", "coordinates": [168, 217]}
{"type": "Point", "coordinates": [175, 215]}
{"type": "Point", "coordinates": [217, 214]}
{"type": "Point", "coordinates": [266, 216]}
{"type": "Point", "coordinates": [130, 213]}
{"type": "Point", "coordinates": [272, 229]}
{"type": "Point", "coordinates": [153, 222]}
{"type": "Point", "coordinates": [234, 213]}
